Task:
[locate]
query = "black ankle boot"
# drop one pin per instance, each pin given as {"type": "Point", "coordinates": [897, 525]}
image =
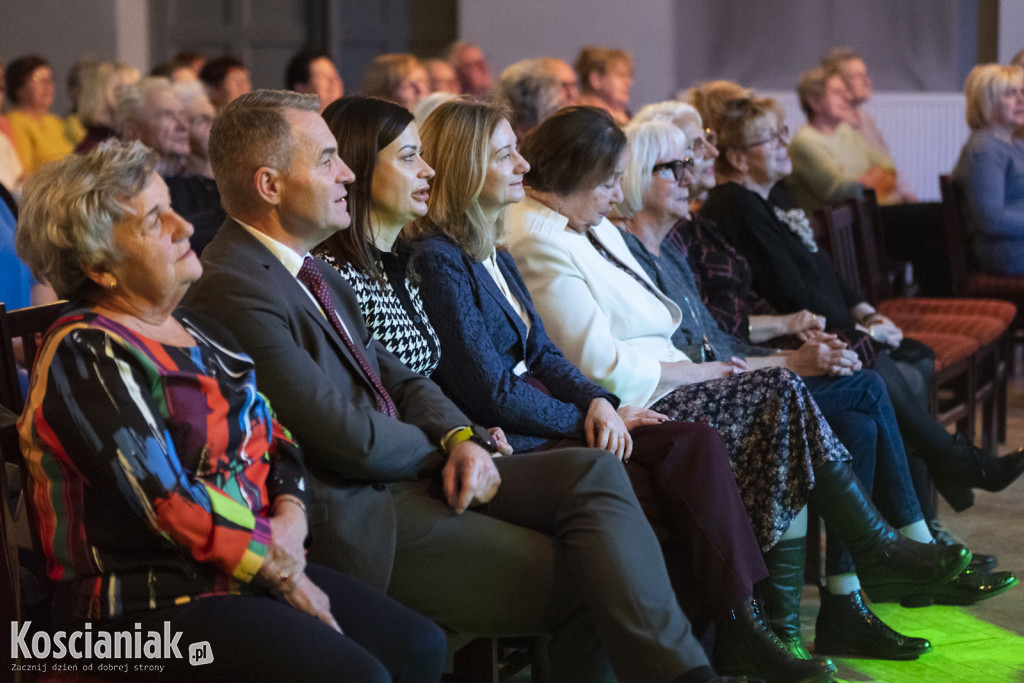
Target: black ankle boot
{"type": "Point", "coordinates": [746, 646]}
{"type": "Point", "coordinates": [782, 590]}
{"type": "Point", "coordinates": [966, 465]}
{"type": "Point", "coordinates": [847, 628]}
{"type": "Point", "coordinates": [889, 566]}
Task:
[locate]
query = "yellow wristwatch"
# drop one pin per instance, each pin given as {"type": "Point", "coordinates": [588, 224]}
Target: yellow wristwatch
{"type": "Point", "coordinates": [472, 433]}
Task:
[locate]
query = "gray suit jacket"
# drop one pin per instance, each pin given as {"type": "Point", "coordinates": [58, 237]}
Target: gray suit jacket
{"type": "Point", "coordinates": [321, 395]}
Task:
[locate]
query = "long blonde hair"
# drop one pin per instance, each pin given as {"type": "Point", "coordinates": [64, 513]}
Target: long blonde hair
{"type": "Point", "coordinates": [457, 145]}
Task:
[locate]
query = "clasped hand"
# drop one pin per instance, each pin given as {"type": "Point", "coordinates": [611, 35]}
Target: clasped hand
{"type": "Point", "coordinates": [826, 355]}
{"type": "Point", "coordinates": [607, 428]}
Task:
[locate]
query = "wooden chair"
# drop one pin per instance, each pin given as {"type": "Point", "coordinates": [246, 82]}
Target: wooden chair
{"type": "Point", "coordinates": [23, 327]}
{"type": "Point", "coordinates": [954, 353]}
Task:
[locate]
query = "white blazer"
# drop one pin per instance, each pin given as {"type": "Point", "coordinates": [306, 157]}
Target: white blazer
{"type": "Point", "coordinates": [603, 320]}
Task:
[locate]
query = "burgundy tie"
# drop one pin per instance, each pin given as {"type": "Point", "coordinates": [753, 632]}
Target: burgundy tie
{"type": "Point", "coordinates": [311, 276]}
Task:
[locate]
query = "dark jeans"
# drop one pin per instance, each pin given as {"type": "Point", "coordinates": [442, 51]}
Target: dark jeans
{"type": "Point", "coordinates": [860, 413]}
{"type": "Point", "coordinates": [261, 638]}
{"type": "Point", "coordinates": [926, 440]}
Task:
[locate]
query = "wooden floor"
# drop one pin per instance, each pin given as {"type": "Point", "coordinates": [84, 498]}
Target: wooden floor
{"type": "Point", "coordinates": [984, 642]}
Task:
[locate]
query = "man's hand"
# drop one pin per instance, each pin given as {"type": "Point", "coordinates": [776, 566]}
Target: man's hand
{"type": "Point", "coordinates": [469, 477]}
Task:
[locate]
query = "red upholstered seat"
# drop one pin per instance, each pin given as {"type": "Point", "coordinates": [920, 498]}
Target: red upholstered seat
{"type": "Point", "coordinates": [981, 330]}
{"type": "Point", "coordinates": [950, 349]}
{"type": "Point", "coordinates": [1004, 311]}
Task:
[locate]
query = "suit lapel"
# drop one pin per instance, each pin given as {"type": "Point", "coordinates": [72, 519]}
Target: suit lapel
{"type": "Point", "coordinates": [296, 294]}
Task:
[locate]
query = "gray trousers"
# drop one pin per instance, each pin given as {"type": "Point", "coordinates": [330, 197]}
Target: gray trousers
{"type": "Point", "coordinates": [563, 548]}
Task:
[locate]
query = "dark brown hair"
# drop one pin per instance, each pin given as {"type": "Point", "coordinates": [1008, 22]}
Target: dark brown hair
{"type": "Point", "coordinates": [575, 148]}
{"type": "Point", "coordinates": [363, 126]}
{"type": "Point", "coordinates": [20, 71]}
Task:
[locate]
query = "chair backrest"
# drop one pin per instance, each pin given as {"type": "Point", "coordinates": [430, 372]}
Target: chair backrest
{"type": "Point", "coordinates": [838, 226]}
{"type": "Point", "coordinates": [10, 573]}
{"type": "Point", "coordinates": [22, 327]}
{"type": "Point", "coordinates": [954, 233]}
{"type": "Point", "coordinates": [875, 266]}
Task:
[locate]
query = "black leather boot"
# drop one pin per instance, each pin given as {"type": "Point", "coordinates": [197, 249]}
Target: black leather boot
{"type": "Point", "coordinates": [966, 465]}
{"type": "Point", "coordinates": [847, 628]}
{"type": "Point", "coordinates": [746, 646]}
{"type": "Point", "coordinates": [889, 566]}
{"type": "Point", "coordinates": [782, 590]}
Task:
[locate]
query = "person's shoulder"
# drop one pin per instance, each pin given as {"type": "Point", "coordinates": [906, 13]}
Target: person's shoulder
{"type": "Point", "coordinates": [436, 246]}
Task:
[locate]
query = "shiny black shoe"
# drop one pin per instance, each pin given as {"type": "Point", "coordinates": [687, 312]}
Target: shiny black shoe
{"type": "Point", "coordinates": [746, 646]}
{"type": "Point", "coordinates": [889, 565]}
{"type": "Point", "coordinates": [847, 628]}
{"type": "Point", "coordinates": [978, 468]}
{"type": "Point", "coordinates": [966, 589]}
{"type": "Point", "coordinates": [980, 562]}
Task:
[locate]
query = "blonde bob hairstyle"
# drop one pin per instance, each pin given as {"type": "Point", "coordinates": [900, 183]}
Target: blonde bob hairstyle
{"type": "Point", "coordinates": [646, 142]}
{"type": "Point", "coordinates": [984, 87]}
{"type": "Point", "coordinates": [69, 210]}
{"type": "Point", "coordinates": [742, 120]}
{"type": "Point", "coordinates": [457, 145]}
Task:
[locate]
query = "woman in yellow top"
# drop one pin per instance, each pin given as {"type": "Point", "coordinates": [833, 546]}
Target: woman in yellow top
{"type": "Point", "coordinates": [38, 134]}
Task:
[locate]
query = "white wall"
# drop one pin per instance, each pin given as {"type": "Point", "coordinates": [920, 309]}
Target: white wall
{"type": "Point", "coordinates": [1011, 28]}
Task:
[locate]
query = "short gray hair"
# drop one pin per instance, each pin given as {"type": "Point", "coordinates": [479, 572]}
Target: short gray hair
{"type": "Point", "coordinates": [132, 102]}
{"type": "Point", "coordinates": [249, 133]}
{"type": "Point", "coordinates": [646, 141]}
{"type": "Point", "coordinates": [531, 91]}
{"type": "Point", "coordinates": [70, 207]}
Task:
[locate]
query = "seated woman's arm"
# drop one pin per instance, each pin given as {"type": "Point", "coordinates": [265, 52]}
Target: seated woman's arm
{"type": "Point", "coordinates": [582, 331]}
{"type": "Point", "coordinates": [984, 167]}
{"type": "Point", "coordinates": [477, 375]}
{"type": "Point", "coordinates": [99, 414]}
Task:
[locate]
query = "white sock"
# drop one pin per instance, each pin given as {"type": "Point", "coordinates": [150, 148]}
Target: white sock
{"type": "Point", "coordinates": [798, 527]}
{"type": "Point", "coordinates": [918, 531]}
{"type": "Point", "coordinates": [842, 584]}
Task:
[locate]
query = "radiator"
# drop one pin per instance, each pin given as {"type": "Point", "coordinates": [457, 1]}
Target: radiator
{"type": "Point", "coordinates": [925, 132]}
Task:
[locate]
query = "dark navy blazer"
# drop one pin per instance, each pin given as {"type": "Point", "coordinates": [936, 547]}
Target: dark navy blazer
{"type": "Point", "coordinates": [483, 339]}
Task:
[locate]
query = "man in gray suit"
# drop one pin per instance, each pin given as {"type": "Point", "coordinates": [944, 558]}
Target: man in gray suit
{"type": "Point", "coordinates": [406, 494]}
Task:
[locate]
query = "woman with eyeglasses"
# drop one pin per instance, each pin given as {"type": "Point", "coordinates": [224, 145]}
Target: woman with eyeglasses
{"type": "Point", "coordinates": [38, 135]}
{"type": "Point", "coordinates": [770, 249]}
{"type": "Point", "coordinates": [610, 320]}
{"type": "Point", "coordinates": [856, 405]}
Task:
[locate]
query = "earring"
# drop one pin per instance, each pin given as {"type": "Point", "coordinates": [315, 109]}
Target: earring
{"type": "Point", "coordinates": [113, 283]}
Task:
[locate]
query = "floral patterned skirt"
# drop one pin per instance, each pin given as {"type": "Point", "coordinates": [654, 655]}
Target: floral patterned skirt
{"type": "Point", "coordinates": [775, 436]}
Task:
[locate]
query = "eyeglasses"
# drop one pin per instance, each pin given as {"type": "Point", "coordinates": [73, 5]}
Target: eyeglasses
{"type": "Point", "coordinates": [780, 136]}
{"type": "Point", "coordinates": [710, 138]}
{"type": "Point", "coordinates": [677, 167]}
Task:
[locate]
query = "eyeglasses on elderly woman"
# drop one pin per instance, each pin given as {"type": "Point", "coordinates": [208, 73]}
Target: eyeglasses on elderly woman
{"type": "Point", "coordinates": [779, 135]}
{"type": "Point", "coordinates": [676, 168]}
